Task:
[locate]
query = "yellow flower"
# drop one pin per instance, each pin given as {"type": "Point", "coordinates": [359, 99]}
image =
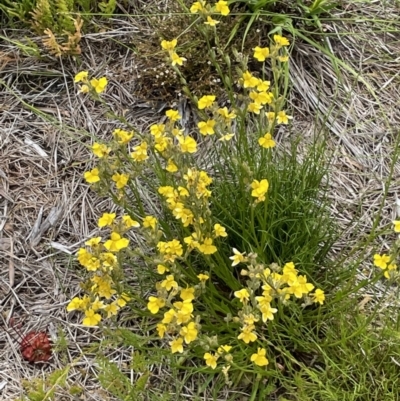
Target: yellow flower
{"type": "Point", "coordinates": [97, 304]}
{"type": "Point", "coordinates": [188, 144]}
{"type": "Point", "coordinates": [171, 166]}
{"type": "Point", "coordinates": [261, 97]}
{"type": "Point", "coordinates": [247, 334]}
{"type": "Point", "coordinates": [149, 222]}
{"type": "Point", "coordinates": [198, 6]}
{"type": "Point", "coordinates": [281, 41]}
{"type": "Point", "coordinates": [173, 115]}
{"type": "Point", "coordinates": [81, 76]}
{"type": "Point", "coordinates": [283, 59]}
{"type": "Point", "coordinates": [248, 80]}
{"type": "Point", "coordinates": [206, 127]}
{"type": "Point", "coordinates": [224, 349]}
{"type": "Point", "coordinates": [226, 114]}
{"type": "Point", "coordinates": [100, 150]}
{"type": "Point", "coordinates": [206, 101]}
{"type": "Point", "coordinates": [124, 136]}
{"type": "Point", "coordinates": [259, 358]}
{"type": "Point", "coordinates": [116, 243]}
{"type": "Point", "coordinates": [207, 248]}
{"type": "Point", "coordinates": [155, 304]}
{"type": "Point", "coordinates": [169, 45]}
{"type": "Point", "coordinates": [282, 118]}
{"type": "Point", "coordinates": [169, 283]}
{"type": "Point", "coordinates": [92, 176]}
{"type": "Point", "coordinates": [139, 153]}
{"type": "Point", "coordinates": [210, 21]}
{"type": "Point", "coordinates": [111, 309]}
{"type": "Point", "coordinates": [267, 312]}
{"type": "Point", "coordinates": [211, 360]}
{"type": "Point", "coordinates": [123, 299]}
{"type": "Point", "coordinates": [177, 59]}
{"type": "Point", "coordinates": [243, 295]}
{"type": "Point", "coordinates": [161, 269]}
{"type": "Point", "coordinates": [271, 117]}
{"type": "Point", "coordinates": [222, 7]}
{"type": "Point", "coordinates": [263, 86]}
{"type": "Point", "coordinates": [129, 222]}
{"type": "Point", "coordinates": [75, 303]}
{"type": "Point", "coordinates": [189, 332]}
{"type": "Point", "coordinates": [91, 318]}
{"type": "Point", "coordinates": [93, 242]}
{"type": "Point", "coordinates": [99, 85]}
{"type": "Point", "coordinates": [203, 277]}
{"type": "Point", "coordinates": [168, 316]}
{"type": "Point", "coordinates": [157, 130]}
{"type": "Point", "coordinates": [120, 180]}
{"type": "Point", "coordinates": [319, 296]}
{"type": "Point", "coordinates": [391, 266]}
{"type": "Point", "coordinates": [187, 294]}
{"type": "Point", "coordinates": [107, 219]}
{"type": "Point", "coordinates": [396, 226]}
{"type": "Point", "coordinates": [260, 188]}
{"type": "Point", "coordinates": [177, 345]}
{"type": "Point", "coordinates": [254, 107]}
{"type": "Point", "coordinates": [267, 141]}
{"type": "Point", "coordinates": [161, 329]}
{"type": "Point", "coordinates": [226, 137]}
{"type": "Point", "coordinates": [381, 261]}
{"type": "Point", "coordinates": [219, 231]}
{"type": "Point", "coordinates": [84, 89]}
{"type": "Point", "coordinates": [261, 53]}
{"type": "Point", "coordinates": [237, 257]}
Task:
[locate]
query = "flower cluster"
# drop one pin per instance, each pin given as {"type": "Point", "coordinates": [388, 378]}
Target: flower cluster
{"type": "Point", "coordinates": [169, 46]}
{"type": "Point", "coordinates": [100, 260]}
{"type": "Point", "coordinates": [95, 85]}
{"type": "Point", "coordinates": [206, 10]}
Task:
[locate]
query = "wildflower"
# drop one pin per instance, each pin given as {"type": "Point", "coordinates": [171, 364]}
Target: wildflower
{"type": "Point", "coordinates": [211, 360]}
{"type": "Point", "coordinates": [161, 143]}
{"type": "Point", "coordinates": [282, 118]}
{"type": "Point", "coordinates": [381, 261]}
{"type": "Point", "coordinates": [237, 257]}
{"type": "Point", "coordinates": [396, 226]}
{"type": "Point", "coordinates": [97, 304]}
{"type": "Point", "coordinates": [111, 309]}
{"type": "Point", "coordinates": [129, 222]}
{"type": "Point", "coordinates": [189, 332]}
{"type": "Point", "coordinates": [267, 312]}
{"type": "Point", "coordinates": [116, 243]}
{"type": "Point", "coordinates": [93, 242]}
{"type": "Point", "coordinates": [271, 117]}
{"type": "Point", "coordinates": [219, 231]}
{"type": "Point", "coordinates": [169, 283]}
{"type": "Point", "coordinates": [139, 153]}
{"type": "Point", "coordinates": [205, 102]}
{"type": "Point", "coordinates": [188, 144]}
{"type": "Point", "coordinates": [169, 45]}
{"type": "Point", "coordinates": [157, 130]}
{"type": "Point", "coordinates": [263, 86]}
{"type": "Point", "coordinates": [149, 221]}
{"type": "Point", "coordinates": [248, 80]}
{"type": "Point", "coordinates": [100, 150]}
{"type": "Point", "coordinates": [120, 180]}
{"type": "Point", "coordinates": [173, 115]}
{"type": "Point", "coordinates": [187, 294]}
{"type": "Point", "coordinates": [267, 141]}
{"type": "Point", "coordinates": [281, 41]}
{"type": "Point", "coordinates": [177, 59]}
{"type": "Point", "coordinates": [259, 358]}
{"type": "Point", "coordinates": [168, 316]}
{"type": "Point", "coordinates": [224, 349]}
{"type": "Point", "coordinates": [161, 269]}
{"type": "Point", "coordinates": [91, 318]}
{"type": "Point", "coordinates": [243, 295]}
{"type": "Point", "coordinates": [124, 136]}
{"type": "Point", "coordinates": [81, 77]}
{"type": "Point", "coordinates": [254, 107]}
{"type": "Point", "coordinates": [247, 334]}
{"type": "Point", "coordinates": [161, 329]}
{"type": "Point", "coordinates": [260, 188]}
{"type": "Point", "coordinates": [283, 59]}
{"type": "Point", "coordinates": [171, 167]}
{"type": "Point", "coordinates": [226, 137]}
{"type": "Point", "coordinates": [75, 303]}
{"type": "Point", "coordinates": [99, 85]}
{"type": "Point", "coordinates": [198, 6]}
{"type": "Point", "coordinates": [222, 7]}
{"type": "Point", "coordinates": [83, 256]}
{"type": "Point", "coordinates": [210, 21]}
{"type": "Point", "coordinates": [92, 176]}
{"type": "Point", "coordinates": [207, 248]}
{"type": "Point", "coordinates": [261, 97]}
{"type": "Point", "coordinates": [391, 266]}
{"type": "Point", "coordinates": [319, 296]}
{"type": "Point", "coordinates": [261, 53]}
{"type": "Point", "coordinates": [84, 89]}
{"type": "Point", "coordinates": [226, 114]}
{"type": "Point", "coordinates": [177, 345]}
{"type": "Point", "coordinates": [155, 304]}
{"type": "Point", "coordinates": [206, 127]}
{"type": "Point", "coordinates": [203, 277]}
{"type": "Point", "coordinates": [107, 219]}
{"type": "Point", "coordinates": [123, 299]}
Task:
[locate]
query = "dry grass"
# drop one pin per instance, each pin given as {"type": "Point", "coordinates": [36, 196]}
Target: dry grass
{"type": "Point", "coordinates": [47, 211]}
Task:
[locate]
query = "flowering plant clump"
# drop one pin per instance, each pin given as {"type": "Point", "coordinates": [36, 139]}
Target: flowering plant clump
{"type": "Point", "coordinates": [219, 292]}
